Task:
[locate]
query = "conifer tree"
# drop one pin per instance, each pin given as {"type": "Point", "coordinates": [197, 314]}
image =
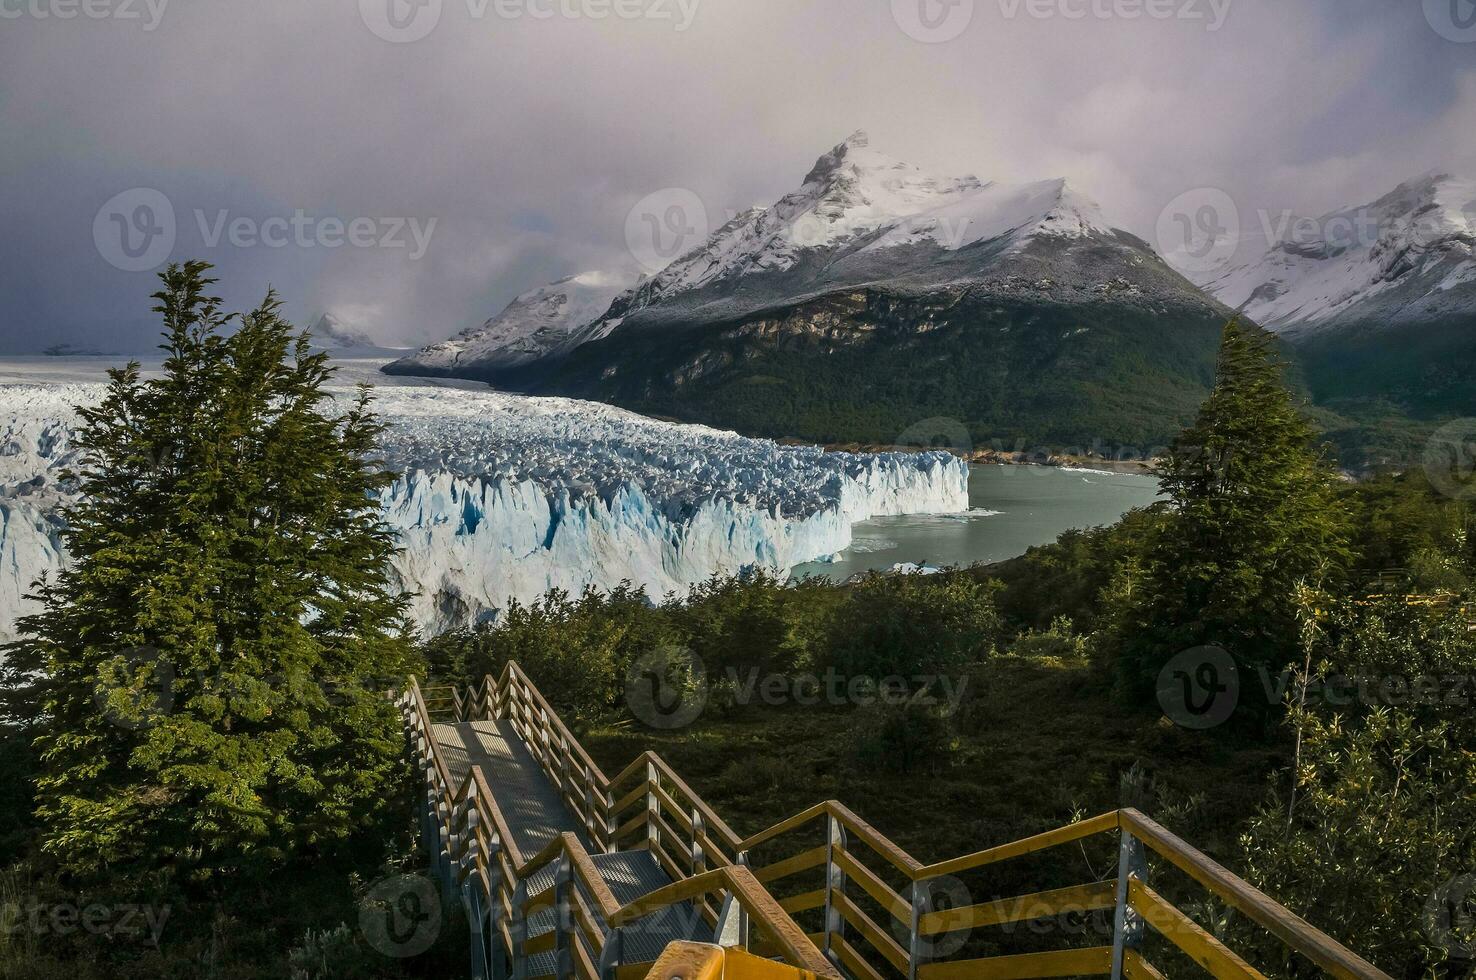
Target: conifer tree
{"type": "Point", "coordinates": [202, 675]}
{"type": "Point", "coordinates": [1253, 515]}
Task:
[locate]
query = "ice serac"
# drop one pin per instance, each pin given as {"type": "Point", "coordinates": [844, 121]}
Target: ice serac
{"type": "Point", "coordinates": [502, 497]}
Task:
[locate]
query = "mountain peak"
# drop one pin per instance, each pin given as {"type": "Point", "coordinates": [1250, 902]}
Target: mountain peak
{"type": "Point", "coordinates": [1408, 256]}
{"type": "Point", "coordinates": [331, 332]}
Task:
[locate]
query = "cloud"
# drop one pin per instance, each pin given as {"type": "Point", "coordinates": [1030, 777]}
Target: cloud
{"type": "Point", "coordinates": [527, 138]}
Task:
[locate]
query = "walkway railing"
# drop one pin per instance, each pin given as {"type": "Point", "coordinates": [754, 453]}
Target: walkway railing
{"type": "Point", "coordinates": [478, 861]}
{"type": "Point", "coordinates": [882, 913]}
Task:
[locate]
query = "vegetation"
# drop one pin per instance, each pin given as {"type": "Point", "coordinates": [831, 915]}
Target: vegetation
{"type": "Point", "coordinates": [195, 723]}
{"type": "Point", "coordinates": [1252, 515]}
{"type": "Point", "coordinates": [1311, 797]}
{"type": "Point", "coordinates": [198, 699]}
{"type": "Point", "coordinates": [1013, 374]}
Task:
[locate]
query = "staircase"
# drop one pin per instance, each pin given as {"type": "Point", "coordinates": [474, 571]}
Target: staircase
{"type": "Point", "coordinates": [565, 873]}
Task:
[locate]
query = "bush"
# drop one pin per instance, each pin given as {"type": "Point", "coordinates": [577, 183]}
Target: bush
{"type": "Point", "coordinates": [913, 625]}
{"type": "Point", "coordinates": [904, 736]}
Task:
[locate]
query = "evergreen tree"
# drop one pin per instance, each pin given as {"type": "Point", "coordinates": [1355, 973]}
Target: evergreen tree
{"type": "Point", "coordinates": [1253, 514]}
{"type": "Point", "coordinates": [201, 676]}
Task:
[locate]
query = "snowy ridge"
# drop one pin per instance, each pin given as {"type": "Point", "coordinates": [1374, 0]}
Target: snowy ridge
{"type": "Point", "coordinates": [503, 497]}
{"type": "Point", "coordinates": [1405, 256]}
{"type": "Point", "coordinates": [531, 326]}
{"type": "Point", "coordinates": [858, 196]}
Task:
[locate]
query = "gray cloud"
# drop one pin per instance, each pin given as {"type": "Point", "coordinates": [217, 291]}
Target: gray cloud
{"type": "Point", "coordinates": [528, 139]}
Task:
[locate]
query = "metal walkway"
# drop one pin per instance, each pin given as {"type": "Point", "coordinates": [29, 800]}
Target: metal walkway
{"type": "Point", "coordinates": [535, 815]}
{"type": "Point", "coordinates": [568, 874]}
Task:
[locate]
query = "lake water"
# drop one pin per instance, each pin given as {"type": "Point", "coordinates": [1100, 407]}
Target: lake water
{"type": "Point", "coordinates": [1012, 508]}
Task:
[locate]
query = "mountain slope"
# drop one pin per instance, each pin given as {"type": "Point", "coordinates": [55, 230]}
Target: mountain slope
{"type": "Point", "coordinates": [1407, 258]}
{"type": "Point", "coordinates": [1380, 310]}
{"type": "Point", "coordinates": [532, 326]}
{"type": "Point", "coordinates": [877, 295]}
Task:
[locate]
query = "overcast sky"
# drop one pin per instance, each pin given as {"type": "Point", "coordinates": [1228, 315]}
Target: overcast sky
{"type": "Point", "coordinates": [306, 143]}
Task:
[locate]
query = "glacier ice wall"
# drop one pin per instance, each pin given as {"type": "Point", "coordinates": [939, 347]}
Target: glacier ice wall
{"type": "Point", "coordinates": [502, 497]}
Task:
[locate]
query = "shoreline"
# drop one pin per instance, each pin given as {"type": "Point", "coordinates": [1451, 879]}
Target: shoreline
{"type": "Point", "coordinates": [1065, 461]}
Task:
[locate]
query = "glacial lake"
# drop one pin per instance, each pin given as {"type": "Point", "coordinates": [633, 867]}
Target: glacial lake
{"type": "Point", "coordinates": [1011, 509]}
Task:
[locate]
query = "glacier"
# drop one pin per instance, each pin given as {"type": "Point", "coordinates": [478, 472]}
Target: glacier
{"type": "Point", "coordinates": [501, 497]}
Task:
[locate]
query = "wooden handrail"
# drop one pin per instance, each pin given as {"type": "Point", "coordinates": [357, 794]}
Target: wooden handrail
{"type": "Point", "coordinates": [515, 693]}
{"type": "Point", "coordinates": [751, 896]}
{"type": "Point", "coordinates": [1040, 842]}
{"type": "Point", "coordinates": [1298, 934]}
{"type": "Point", "coordinates": [715, 823]}
{"type": "Point", "coordinates": [512, 669]}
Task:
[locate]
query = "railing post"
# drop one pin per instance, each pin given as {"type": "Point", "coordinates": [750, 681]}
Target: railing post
{"type": "Point", "coordinates": [698, 855]}
{"type": "Point", "coordinates": [494, 905]}
{"type": "Point", "coordinates": [611, 955]}
{"type": "Point", "coordinates": [1127, 925]}
{"type": "Point", "coordinates": [921, 902]}
{"type": "Point", "coordinates": [835, 884]}
{"type": "Point", "coordinates": [611, 819]}
{"type": "Point", "coordinates": [563, 920]}
{"type": "Point", "coordinates": [520, 931]}
{"type": "Point", "coordinates": [653, 806]}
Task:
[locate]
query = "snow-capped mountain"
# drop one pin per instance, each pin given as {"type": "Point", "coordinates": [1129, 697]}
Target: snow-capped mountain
{"type": "Point", "coordinates": [1408, 257]}
{"type": "Point", "coordinates": [860, 217]}
{"type": "Point", "coordinates": [857, 201]}
{"type": "Point", "coordinates": [535, 324]}
{"type": "Point", "coordinates": [873, 295]}
{"type": "Point", "coordinates": [330, 332]}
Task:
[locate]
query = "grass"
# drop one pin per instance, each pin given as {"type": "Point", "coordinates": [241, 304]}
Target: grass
{"type": "Point", "coordinates": [1040, 741]}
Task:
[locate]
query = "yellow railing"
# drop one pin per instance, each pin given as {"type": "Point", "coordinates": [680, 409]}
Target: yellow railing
{"type": "Point", "coordinates": [879, 913]}
{"type": "Point", "coordinates": [477, 856]}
